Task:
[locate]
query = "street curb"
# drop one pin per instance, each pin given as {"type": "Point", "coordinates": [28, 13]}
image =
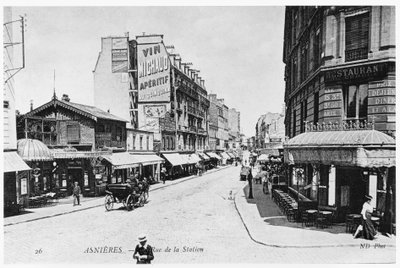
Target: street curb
{"type": "Point", "coordinates": [292, 246]}
{"type": "Point", "coordinates": [94, 206]}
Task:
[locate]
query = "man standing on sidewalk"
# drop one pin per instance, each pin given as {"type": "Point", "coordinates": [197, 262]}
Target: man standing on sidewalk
{"type": "Point", "coordinates": [76, 192]}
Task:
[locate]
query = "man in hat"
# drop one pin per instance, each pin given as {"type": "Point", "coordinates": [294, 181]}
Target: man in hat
{"type": "Point", "coordinates": [143, 252]}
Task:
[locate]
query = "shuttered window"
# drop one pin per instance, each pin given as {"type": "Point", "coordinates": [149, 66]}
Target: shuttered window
{"type": "Point", "coordinates": [357, 36]}
{"type": "Point", "coordinates": [73, 135]}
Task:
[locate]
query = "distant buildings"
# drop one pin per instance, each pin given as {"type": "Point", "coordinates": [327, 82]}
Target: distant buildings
{"type": "Point", "coordinates": [270, 133]}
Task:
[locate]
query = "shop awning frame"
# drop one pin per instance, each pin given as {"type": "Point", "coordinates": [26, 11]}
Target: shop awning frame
{"type": "Point", "coordinates": [359, 148]}
{"type": "Point", "coordinates": [13, 162]}
{"type": "Point", "coordinates": [122, 160]}
{"type": "Point", "coordinates": [175, 159]}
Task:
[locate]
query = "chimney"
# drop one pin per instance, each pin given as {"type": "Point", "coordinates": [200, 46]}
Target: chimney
{"type": "Point", "coordinates": [31, 105]}
{"type": "Point", "coordinates": [65, 97]}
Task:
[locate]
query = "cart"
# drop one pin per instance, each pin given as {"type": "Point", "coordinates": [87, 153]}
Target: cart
{"type": "Point", "coordinates": [125, 194]}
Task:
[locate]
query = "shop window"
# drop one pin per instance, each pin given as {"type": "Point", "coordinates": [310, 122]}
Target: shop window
{"type": "Point", "coordinates": [356, 102]}
{"type": "Point", "coordinates": [73, 133]}
{"type": "Point", "coordinates": [357, 36]}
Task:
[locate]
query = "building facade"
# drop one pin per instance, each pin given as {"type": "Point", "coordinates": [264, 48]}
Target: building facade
{"type": "Point", "coordinates": [78, 137]}
{"type": "Point", "coordinates": [270, 130]}
{"type": "Point", "coordinates": [340, 80]}
{"type": "Point", "coordinates": [234, 128]}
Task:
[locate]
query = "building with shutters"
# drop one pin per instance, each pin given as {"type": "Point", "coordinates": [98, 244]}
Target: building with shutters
{"type": "Point", "coordinates": [340, 105]}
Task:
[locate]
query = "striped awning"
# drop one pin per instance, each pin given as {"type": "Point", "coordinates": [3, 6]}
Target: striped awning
{"type": "Point", "coordinates": [122, 160]}
{"type": "Point", "coordinates": [175, 159]}
{"type": "Point", "coordinates": [33, 150]}
{"type": "Point", "coordinates": [214, 155]}
{"type": "Point", "coordinates": [13, 162]}
{"type": "Point", "coordinates": [148, 159]}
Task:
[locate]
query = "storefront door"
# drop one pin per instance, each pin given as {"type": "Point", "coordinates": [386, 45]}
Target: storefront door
{"type": "Point", "coordinates": [351, 189]}
{"type": "Point", "coordinates": [75, 174]}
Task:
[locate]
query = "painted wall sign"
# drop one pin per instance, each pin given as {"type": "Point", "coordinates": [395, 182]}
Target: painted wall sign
{"type": "Point", "coordinates": [119, 55]}
{"type": "Point", "coordinates": [332, 113]}
{"type": "Point", "coordinates": [153, 73]}
{"type": "Point", "coordinates": [356, 72]}
{"type": "Point", "coordinates": [332, 105]}
{"type": "Point", "coordinates": [154, 110]}
{"type": "Point", "coordinates": [382, 100]}
{"type": "Point", "coordinates": [382, 109]}
{"type": "Point", "coordinates": [333, 97]}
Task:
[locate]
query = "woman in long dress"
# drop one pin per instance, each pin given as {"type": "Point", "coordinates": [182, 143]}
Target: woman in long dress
{"type": "Point", "coordinates": [367, 227]}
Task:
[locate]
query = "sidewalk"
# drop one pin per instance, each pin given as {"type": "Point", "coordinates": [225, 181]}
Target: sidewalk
{"type": "Point", "coordinates": [267, 225]}
{"type": "Point", "coordinates": [65, 205]}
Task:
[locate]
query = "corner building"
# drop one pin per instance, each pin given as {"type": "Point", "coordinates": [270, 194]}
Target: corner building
{"type": "Point", "coordinates": [340, 106]}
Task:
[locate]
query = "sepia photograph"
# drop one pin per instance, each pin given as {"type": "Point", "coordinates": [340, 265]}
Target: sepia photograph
{"type": "Point", "coordinates": [198, 133]}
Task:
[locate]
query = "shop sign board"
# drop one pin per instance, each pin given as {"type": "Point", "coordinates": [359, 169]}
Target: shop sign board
{"type": "Point", "coordinates": [153, 73]}
{"type": "Point", "coordinates": [370, 71]}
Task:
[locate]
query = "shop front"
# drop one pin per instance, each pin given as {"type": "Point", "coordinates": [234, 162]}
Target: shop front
{"type": "Point", "coordinates": [338, 168]}
{"type": "Point", "coordinates": [16, 189]}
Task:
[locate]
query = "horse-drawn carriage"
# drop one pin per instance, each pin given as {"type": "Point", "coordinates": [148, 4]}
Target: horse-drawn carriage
{"type": "Point", "coordinates": [130, 195]}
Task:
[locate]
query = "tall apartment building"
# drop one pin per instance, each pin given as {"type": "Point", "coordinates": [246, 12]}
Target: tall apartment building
{"type": "Point", "coordinates": [340, 99]}
{"type": "Point", "coordinates": [140, 81]}
{"type": "Point", "coordinates": [234, 128]}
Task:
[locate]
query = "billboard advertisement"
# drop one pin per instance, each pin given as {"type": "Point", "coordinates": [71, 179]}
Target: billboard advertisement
{"type": "Point", "coordinates": [119, 55]}
{"type": "Point", "coordinates": [153, 73]}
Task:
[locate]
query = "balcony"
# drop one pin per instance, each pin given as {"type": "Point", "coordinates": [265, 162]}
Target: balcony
{"type": "Point", "coordinates": [201, 131]}
{"type": "Point", "coordinates": [192, 129]}
{"type": "Point", "coordinates": [356, 54]}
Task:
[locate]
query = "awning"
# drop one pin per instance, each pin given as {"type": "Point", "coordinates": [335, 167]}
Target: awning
{"type": "Point", "coordinates": [271, 151]}
{"type": "Point", "coordinates": [13, 162]}
{"type": "Point", "coordinates": [33, 150]}
{"type": "Point", "coordinates": [263, 157]}
{"type": "Point", "coordinates": [175, 159]}
{"type": "Point", "coordinates": [193, 158]}
{"type": "Point", "coordinates": [225, 155]}
{"type": "Point", "coordinates": [214, 155]}
{"type": "Point", "coordinates": [148, 159]}
{"type": "Point", "coordinates": [122, 160]}
{"type": "Point", "coordinates": [360, 148]}
{"type": "Point", "coordinates": [204, 156]}
{"type": "Point", "coordinates": [231, 155]}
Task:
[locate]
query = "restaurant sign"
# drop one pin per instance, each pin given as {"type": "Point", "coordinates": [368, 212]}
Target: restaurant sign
{"type": "Point", "coordinates": [370, 71]}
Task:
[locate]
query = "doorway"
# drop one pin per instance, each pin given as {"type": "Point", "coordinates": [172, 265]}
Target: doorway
{"type": "Point", "coordinates": [74, 174]}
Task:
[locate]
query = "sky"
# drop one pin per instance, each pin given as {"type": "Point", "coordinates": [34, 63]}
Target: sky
{"type": "Point", "coordinates": [237, 49]}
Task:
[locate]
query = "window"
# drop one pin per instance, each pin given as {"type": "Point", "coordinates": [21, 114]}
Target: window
{"type": "Point", "coordinates": [317, 49]}
{"type": "Point", "coordinates": [119, 134]}
{"type": "Point", "coordinates": [303, 115]}
{"type": "Point", "coordinates": [147, 143]}
{"type": "Point", "coordinates": [6, 104]}
{"type": "Point", "coordinates": [73, 135]}
{"type": "Point", "coordinates": [141, 142]}
{"type": "Point", "coordinates": [100, 128]}
{"type": "Point", "coordinates": [304, 62]}
{"type": "Point", "coordinates": [294, 123]}
{"type": "Point", "coordinates": [357, 36]}
{"type": "Point", "coordinates": [134, 141]}
{"type": "Point", "coordinates": [356, 102]}
{"type": "Point", "coordinates": [316, 107]}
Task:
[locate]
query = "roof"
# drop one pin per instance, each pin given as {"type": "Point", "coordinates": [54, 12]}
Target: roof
{"type": "Point", "coordinates": [13, 162]}
{"type": "Point", "coordinates": [85, 110]}
{"type": "Point", "coordinates": [346, 138]}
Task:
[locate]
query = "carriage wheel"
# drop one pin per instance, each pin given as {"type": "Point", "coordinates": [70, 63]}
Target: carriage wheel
{"type": "Point", "coordinates": [129, 203]}
{"type": "Point", "coordinates": [108, 202]}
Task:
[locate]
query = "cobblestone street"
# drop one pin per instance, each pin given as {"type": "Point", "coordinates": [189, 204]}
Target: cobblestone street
{"type": "Point", "coordinates": [196, 217]}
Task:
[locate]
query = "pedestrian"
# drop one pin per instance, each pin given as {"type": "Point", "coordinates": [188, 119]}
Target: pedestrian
{"type": "Point", "coordinates": [366, 228]}
{"type": "Point", "coordinates": [163, 174]}
{"type": "Point", "coordinates": [250, 180]}
{"type": "Point", "coordinates": [143, 252]}
{"type": "Point", "coordinates": [76, 192]}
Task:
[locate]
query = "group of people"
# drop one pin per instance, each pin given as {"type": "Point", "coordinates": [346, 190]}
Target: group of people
{"type": "Point", "coordinates": [140, 188]}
